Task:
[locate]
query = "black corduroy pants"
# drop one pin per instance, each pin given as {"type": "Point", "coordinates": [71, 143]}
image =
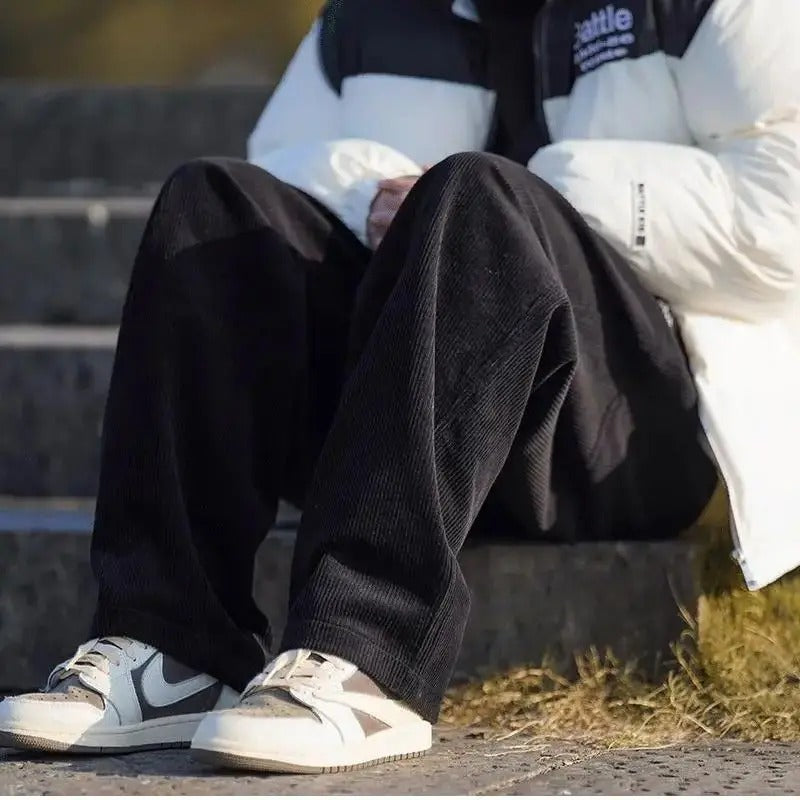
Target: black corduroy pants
{"type": "Point", "coordinates": [493, 354]}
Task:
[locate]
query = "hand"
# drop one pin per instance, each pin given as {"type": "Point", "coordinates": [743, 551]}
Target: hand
{"type": "Point", "coordinates": [390, 196]}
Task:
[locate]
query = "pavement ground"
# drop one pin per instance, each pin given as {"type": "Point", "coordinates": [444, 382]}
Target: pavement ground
{"type": "Point", "coordinates": [462, 762]}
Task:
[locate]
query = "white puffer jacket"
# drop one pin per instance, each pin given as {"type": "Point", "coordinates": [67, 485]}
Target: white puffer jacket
{"type": "Point", "coordinates": [673, 126]}
{"type": "Point", "coordinates": [679, 140]}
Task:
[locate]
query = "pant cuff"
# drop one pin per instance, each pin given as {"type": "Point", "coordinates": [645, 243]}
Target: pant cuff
{"type": "Point", "coordinates": [390, 671]}
{"type": "Point", "coordinates": [234, 663]}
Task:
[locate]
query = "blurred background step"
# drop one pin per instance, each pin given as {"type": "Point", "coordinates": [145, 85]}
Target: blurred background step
{"type": "Point", "coordinates": [72, 140]}
{"type": "Point", "coordinates": [527, 600]}
{"type": "Point", "coordinates": [53, 385]}
{"type": "Point", "coordinates": [47, 591]}
{"type": "Point", "coordinates": [67, 259]}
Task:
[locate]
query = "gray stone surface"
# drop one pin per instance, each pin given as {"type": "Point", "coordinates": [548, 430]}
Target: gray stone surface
{"type": "Point", "coordinates": [53, 385]}
{"type": "Point", "coordinates": [68, 262]}
{"type": "Point", "coordinates": [461, 762]}
{"type": "Point", "coordinates": [532, 600]}
{"type": "Point", "coordinates": [47, 590]}
{"type": "Point", "coordinates": [47, 593]}
{"type": "Point", "coordinates": [76, 140]}
{"type": "Point", "coordinates": [527, 600]}
{"type": "Point", "coordinates": [717, 768]}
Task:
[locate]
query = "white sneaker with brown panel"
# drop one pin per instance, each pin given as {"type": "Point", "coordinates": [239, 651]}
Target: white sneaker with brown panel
{"type": "Point", "coordinates": [311, 712]}
{"type": "Point", "coordinates": [114, 695]}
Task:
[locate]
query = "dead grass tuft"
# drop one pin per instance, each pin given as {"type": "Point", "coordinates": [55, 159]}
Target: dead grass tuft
{"type": "Point", "coordinates": [735, 675]}
{"type": "Point", "coordinates": [612, 705]}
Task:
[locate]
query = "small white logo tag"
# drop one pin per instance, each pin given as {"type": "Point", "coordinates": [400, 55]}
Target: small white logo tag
{"type": "Point", "coordinates": [640, 215]}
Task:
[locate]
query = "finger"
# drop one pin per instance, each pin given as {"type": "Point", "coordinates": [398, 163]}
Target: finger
{"type": "Point", "coordinates": [375, 234]}
{"type": "Point", "coordinates": [381, 219]}
{"type": "Point", "coordinates": [392, 186]}
{"type": "Point", "coordinates": [404, 182]}
{"type": "Point", "coordinates": [373, 237]}
{"type": "Point", "coordinates": [399, 179]}
{"type": "Point", "coordinates": [391, 201]}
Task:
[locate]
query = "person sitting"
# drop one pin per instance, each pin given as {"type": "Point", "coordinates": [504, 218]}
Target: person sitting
{"type": "Point", "coordinates": [505, 349]}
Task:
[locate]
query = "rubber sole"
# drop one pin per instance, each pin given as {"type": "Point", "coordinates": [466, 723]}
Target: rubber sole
{"type": "Point", "coordinates": [21, 741]}
{"type": "Point", "coordinates": [250, 764]}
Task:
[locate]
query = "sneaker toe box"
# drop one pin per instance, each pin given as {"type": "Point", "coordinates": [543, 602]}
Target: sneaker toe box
{"type": "Point", "coordinates": [248, 734]}
{"type": "Point", "coordinates": [44, 714]}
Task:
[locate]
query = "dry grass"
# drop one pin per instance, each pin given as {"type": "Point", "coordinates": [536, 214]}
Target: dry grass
{"type": "Point", "coordinates": [748, 640]}
{"type": "Point", "coordinates": [735, 675]}
{"type": "Point", "coordinates": [611, 704]}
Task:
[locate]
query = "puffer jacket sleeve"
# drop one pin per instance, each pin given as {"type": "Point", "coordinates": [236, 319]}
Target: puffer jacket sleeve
{"type": "Point", "coordinates": [300, 139]}
{"type": "Point", "coordinates": [711, 228]}
{"type": "Point", "coordinates": [303, 107]}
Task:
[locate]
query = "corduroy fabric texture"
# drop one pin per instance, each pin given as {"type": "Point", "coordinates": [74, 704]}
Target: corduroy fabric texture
{"type": "Point", "coordinates": [493, 354]}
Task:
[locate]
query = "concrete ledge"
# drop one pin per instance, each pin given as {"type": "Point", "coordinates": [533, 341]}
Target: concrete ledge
{"type": "Point", "coordinates": [528, 600]}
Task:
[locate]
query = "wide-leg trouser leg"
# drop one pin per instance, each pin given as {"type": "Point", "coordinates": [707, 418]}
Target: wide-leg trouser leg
{"type": "Point", "coordinates": [497, 344]}
{"type": "Point", "coordinates": [227, 374]}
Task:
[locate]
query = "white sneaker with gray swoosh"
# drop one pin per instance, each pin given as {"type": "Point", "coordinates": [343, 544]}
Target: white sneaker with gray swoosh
{"type": "Point", "coordinates": [311, 712]}
{"type": "Point", "coordinates": [114, 695]}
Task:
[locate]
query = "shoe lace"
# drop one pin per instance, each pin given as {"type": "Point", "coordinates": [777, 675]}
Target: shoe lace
{"type": "Point", "coordinates": [293, 669]}
{"type": "Point", "coordinates": [93, 660]}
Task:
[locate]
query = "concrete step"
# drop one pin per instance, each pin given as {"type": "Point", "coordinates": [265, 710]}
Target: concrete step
{"type": "Point", "coordinates": [66, 259]}
{"type": "Point", "coordinates": [67, 140]}
{"type": "Point", "coordinates": [53, 385]}
{"type": "Point", "coordinates": [527, 600]}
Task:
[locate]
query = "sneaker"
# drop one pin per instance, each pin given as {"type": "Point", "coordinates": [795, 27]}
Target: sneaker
{"type": "Point", "coordinates": [311, 712]}
{"type": "Point", "coordinates": [114, 695]}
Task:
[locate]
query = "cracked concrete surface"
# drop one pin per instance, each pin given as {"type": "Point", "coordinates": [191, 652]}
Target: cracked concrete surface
{"type": "Point", "coordinates": [462, 762]}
